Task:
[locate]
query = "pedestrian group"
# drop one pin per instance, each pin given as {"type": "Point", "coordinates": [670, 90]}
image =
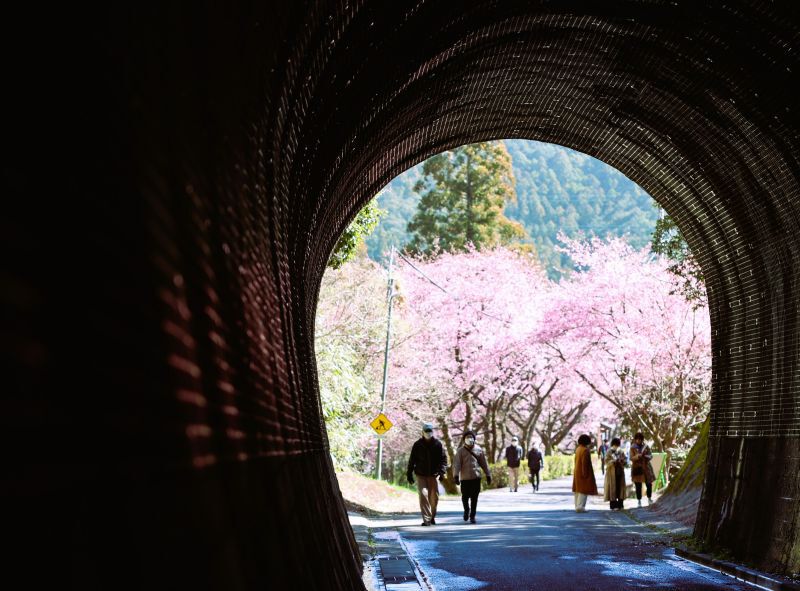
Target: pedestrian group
{"type": "Point", "coordinates": [427, 465]}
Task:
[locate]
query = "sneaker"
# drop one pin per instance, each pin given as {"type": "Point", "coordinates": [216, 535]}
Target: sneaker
{"type": "Point", "coordinates": [466, 515]}
{"type": "Point", "coordinates": [649, 501]}
{"type": "Point", "coordinates": [472, 520]}
{"type": "Point", "coordinates": [424, 524]}
{"type": "Point", "coordinates": [433, 522]}
{"type": "Point", "coordinates": [640, 502]}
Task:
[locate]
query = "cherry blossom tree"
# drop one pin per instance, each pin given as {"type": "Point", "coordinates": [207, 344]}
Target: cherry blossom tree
{"type": "Point", "coordinates": [471, 315]}
{"type": "Point", "coordinates": [484, 341]}
{"type": "Point", "coordinates": [633, 339]}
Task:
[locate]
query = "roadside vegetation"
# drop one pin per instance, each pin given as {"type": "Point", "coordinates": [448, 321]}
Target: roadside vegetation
{"type": "Point", "coordinates": [485, 337]}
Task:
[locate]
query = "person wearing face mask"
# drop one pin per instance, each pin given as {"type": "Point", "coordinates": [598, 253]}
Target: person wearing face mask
{"type": "Point", "coordinates": [427, 461]}
{"type": "Point", "coordinates": [513, 459]}
{"type": "Point", "coordinates": [467, 466]}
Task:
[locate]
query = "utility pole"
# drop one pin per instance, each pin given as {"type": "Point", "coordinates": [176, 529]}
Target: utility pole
{"type": "Point", "coordinates": [390, 298]}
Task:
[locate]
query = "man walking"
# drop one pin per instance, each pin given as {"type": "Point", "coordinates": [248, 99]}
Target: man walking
{"type": "Point", "coordinates": [535, 463]}
{"type": "Point", "coordinates": [427, 461]}
{"type": "Point", "coordinates": [513, 459]}
{"type": "Point", "coordinates": [602, 450]}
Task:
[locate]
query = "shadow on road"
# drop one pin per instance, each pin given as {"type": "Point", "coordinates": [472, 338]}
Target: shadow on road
{"type": "Point", "coordinates": [537, 541]}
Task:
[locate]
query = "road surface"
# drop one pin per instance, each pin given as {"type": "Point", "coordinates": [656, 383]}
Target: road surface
{"type": "Point", "coordinates": [527, 540]}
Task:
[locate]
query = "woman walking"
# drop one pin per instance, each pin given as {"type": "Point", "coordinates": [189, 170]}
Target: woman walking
{"type": "Point", "coordinates": [614, 484]}
{"type": "Point", "coordinates": [641, 468]}
{"type": "Point", "coordinates": [467, 466]}
{"type": "Point", "coordinates": [583, 482]}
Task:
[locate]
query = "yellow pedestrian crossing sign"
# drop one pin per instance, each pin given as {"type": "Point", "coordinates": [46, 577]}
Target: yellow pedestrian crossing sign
{"type": "Point", "coordinates": [381, 424]}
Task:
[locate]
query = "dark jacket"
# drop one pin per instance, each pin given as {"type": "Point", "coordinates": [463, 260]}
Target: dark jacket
{"type": "Point", "coordinates": [535, 460]}
{"type": "Point", "coordinates": [513, 456]}
{"type": "Point", "coordinates": [427, 458]}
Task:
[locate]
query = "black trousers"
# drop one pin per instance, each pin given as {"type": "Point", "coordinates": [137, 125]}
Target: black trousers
{"type": "Point", "coordinates": [617, 503]}
{"type": "Point", "coordinates": [470, 489]}
{"type": "Point", "coordinates": [638, 486]}
{"type": "Point", "coordinates": [535, 478]}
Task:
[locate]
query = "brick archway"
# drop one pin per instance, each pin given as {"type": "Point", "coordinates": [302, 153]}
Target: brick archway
{"type": "Point", "coordinates": [244, 142]}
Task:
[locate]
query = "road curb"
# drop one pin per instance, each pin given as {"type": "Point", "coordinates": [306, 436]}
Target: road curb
{"type": "Point", "coordinates": [743, 573]}
{"type": "Point", "coordinates": [386, 563]}
{"type": "Point", "coordinates": [735, 570]}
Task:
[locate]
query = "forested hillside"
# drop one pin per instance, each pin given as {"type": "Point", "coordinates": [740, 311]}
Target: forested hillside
{"type": "Point", "coordinates": [558, 190]}
{"type": "Point", "coordinates": [561, 190]}
{"type": "Point", "coordinates": [399, 201]}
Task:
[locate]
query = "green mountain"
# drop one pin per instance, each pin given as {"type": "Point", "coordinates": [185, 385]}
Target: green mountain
{"type": "Point", "coordinates": [561, 190]}
{"type": "Point", "coordinates": [558, 190]}
{"type": "Point", "coordinates": [399, 201]}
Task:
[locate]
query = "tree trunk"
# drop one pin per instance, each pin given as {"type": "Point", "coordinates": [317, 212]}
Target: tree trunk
{"type": "Point", "coordinates": [493, 427]}
{"type": "Point", "coordinates": [468, 410]}
{"type": "Point", "coordinates": [447, 441]}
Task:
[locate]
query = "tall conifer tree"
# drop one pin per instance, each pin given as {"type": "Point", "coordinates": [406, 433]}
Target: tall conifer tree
{"type": "Point", "coordinates": [463, 193]}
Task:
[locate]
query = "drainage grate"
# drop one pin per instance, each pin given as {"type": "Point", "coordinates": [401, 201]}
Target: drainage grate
{"type": "Point", "coordinates": [397, 570]}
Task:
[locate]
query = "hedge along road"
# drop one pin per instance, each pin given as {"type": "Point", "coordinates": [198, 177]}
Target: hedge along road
{"type": "Point", "coordinates": [527, 540]}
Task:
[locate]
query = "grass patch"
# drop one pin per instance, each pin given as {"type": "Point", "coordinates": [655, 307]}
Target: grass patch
{"type": "Point", "coordinates": [374, 497]}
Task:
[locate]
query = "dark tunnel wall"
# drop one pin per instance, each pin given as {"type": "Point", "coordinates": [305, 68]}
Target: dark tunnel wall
{"type": "Point", "coordinates": [226, 151]}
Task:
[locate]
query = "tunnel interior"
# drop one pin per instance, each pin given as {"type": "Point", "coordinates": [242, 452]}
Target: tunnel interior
{"type": "Point", "coordinates": [233, 149]}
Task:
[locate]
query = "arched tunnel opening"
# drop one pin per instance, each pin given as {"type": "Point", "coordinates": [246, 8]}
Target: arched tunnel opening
{"type": "Point", "coordinates": [230, 149]}
{"type": "Point", "coordinates": [508, 336]}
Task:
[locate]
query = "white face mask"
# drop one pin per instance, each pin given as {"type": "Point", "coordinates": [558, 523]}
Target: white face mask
{"type": "Point", "coordinates": [469, 442]}
{"type": "Point", "coordinates": [427, 434]}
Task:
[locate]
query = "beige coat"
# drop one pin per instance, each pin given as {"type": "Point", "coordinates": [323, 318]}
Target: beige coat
{"type": "Point", "coordinates": [466, 467]}
{"type": "Point", "coordinates": [609, 485]}
{"type": "Point", "coordinates": [583, 476]}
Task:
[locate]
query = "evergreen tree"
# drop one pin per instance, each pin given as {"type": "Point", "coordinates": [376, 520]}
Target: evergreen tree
{"type": "Point", "coordinates": [463, 193]}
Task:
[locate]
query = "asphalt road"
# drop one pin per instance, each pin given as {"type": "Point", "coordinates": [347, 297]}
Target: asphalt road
{"type": "Point", "coordinates": [527, 540]}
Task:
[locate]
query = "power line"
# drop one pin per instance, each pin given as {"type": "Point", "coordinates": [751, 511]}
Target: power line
{"type": "Point", "coordinates": [455, 297]}
{"type": "Point", "coordinates": [424, 275]}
